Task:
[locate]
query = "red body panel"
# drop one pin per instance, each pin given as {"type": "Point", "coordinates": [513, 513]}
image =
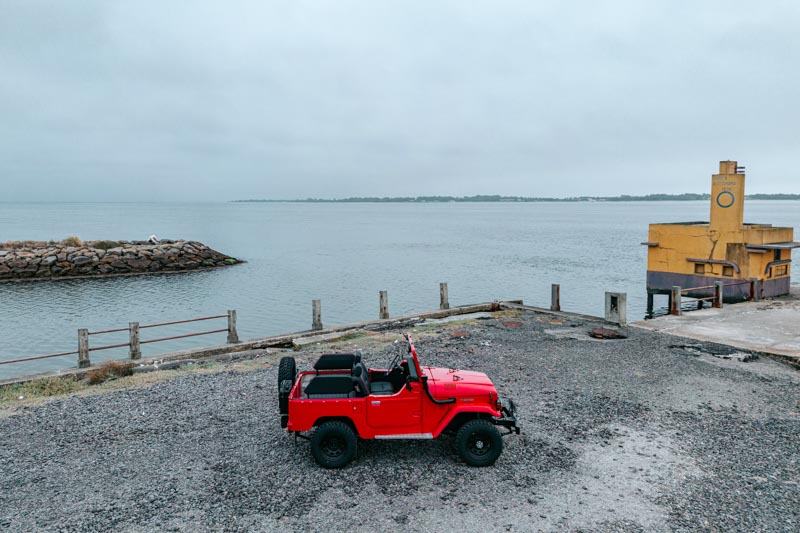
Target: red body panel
{"type": "Point", "coordinates": [407, 412]}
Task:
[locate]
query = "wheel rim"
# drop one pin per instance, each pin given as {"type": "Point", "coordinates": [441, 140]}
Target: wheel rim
{"type": "Point", "coordinates": [479, 444]}
{"type": "Point", "coordinates": [333, 447]}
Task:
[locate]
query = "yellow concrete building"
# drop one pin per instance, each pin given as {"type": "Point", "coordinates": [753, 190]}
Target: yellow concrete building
{"type": "Point", "coordinates": [696, 254]}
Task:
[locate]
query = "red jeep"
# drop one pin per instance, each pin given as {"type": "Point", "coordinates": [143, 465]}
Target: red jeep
{"type": "Point", "coordinates": [343, 401]}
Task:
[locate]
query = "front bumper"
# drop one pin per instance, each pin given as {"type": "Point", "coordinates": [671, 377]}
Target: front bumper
{"type": "Point", "coordinates": [509, 418]}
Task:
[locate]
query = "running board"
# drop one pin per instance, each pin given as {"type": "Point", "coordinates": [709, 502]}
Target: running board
{"type": "Point", "coordinates": [406, 436]}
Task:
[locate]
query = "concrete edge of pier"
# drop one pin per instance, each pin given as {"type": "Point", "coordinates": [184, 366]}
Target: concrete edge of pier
{"type": "Point", "coordinates": [277, 343]}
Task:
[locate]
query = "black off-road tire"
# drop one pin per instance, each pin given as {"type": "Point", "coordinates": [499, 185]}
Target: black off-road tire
{"type": "Point", "coordinates": [333, 445]}
{"type": "Point", "coordinates": [287, 370]}
{"type": "Point", "coordinates": [479, 443]}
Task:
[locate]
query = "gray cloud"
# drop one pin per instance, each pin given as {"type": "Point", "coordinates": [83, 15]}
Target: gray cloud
{"type": "Point", "coordinates": [210, 100]}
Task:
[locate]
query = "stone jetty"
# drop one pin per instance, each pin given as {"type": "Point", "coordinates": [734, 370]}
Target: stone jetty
{"type": "Point", "coordinates": [22, 261]}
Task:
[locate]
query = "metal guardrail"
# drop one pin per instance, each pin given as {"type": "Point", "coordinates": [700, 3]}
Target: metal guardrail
{"type": "Point", "coordinates": [134, 343]}
{"type": "Point", "coordinates": [20, 360]}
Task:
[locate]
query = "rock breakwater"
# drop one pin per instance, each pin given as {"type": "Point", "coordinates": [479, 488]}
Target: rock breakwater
{"type": "Point", "coordinates": [106, 258]}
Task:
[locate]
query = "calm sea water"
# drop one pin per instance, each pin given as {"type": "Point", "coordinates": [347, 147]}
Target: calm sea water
{"type": "Point", "coordinates": [341, 253]}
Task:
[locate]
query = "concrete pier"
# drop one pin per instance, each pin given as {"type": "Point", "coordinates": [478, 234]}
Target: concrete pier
{"type": "Point", "coordinates": [767, 326]}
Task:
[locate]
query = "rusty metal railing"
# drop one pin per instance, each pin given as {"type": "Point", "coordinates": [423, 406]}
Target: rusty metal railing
{"type": "Point", "coordinates": [677, 300]}
{"type": "Point", "coordinates": [715, 299]}
{"type": "Point", "coordinates": [185, 321]}
{"type": "Point", "coordinates": [34, 358]}
{"type": "Point", "coordinates": [134, 343]}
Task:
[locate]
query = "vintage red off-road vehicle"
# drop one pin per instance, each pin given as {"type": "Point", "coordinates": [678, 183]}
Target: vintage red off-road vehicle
{"type": "Point", "coordinates": [341, 401]}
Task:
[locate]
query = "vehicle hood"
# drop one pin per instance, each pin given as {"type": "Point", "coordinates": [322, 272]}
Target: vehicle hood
{"type": "Point", "coordinates": [448, 375]}
{"type": "Point", "coordinates": [448, 383]}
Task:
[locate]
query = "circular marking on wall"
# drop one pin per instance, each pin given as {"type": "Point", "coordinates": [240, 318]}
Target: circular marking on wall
{"type": "Point", "coordinates": [725, 199]}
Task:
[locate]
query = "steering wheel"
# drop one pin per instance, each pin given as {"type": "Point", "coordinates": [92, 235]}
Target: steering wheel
{"type": "Point", "coordinates": [395, 362]}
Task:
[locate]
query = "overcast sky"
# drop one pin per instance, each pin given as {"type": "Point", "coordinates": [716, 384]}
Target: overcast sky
{"type": "Point", "coordinates": [105, 100]}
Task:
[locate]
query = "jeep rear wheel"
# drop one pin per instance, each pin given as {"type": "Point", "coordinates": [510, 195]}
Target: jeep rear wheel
{"type": "Point", "coordinates": [333, 444]}
{"type": "Point", "coordinates": [479, 443]}
{"type": "Point", "coordinates": [286, 374]}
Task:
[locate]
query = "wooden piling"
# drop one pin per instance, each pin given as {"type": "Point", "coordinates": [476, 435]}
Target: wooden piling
{"type": "Point", "coordinates": [316, 314]}
{"type": "Point", "coordinates": [233, 335]}
{"type": "Point", "coordinates": [555, 297]}
{"type": "Point", "coordinates": [675, 301]}
{"type": "Point", "coordinates": [135, 351]}
{"type": "Point", "coordinates": [83, 348]}
{"type": "Point", "coordinates": [755, 290]}
{"type": "Point", "coordinates": [649, 304]}
{"type": "Point", "coordinates": [444, 302]}
{"type": "Point", "coordinates": [384, 305]}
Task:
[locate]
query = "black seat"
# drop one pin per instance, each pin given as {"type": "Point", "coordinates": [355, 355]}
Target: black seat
{"type": "Point", "coordinates": [364, 387]}
{"type": "Point", "coordinates": [330, 386]}
{"type": "Point", "coordinates": [381, 388]}
{"type": "Point", "coordinates": [335, 361]}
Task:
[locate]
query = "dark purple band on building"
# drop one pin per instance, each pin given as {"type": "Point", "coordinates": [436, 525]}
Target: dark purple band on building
{"type": "Point", "coordinates": [662, 283]}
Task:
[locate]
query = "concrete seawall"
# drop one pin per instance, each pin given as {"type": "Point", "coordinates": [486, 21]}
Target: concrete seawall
{"type": "Point", "coordinates": [106, 258]}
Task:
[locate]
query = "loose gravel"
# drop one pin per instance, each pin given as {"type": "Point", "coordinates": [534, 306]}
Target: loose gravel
{"type": "Point", "coordinates": [618, 435]}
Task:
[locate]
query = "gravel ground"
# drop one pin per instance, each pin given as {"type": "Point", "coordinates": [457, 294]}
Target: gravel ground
{"type": "Point", "coordinates": [617, 435]}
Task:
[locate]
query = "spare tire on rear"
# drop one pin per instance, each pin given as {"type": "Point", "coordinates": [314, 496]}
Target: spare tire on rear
{"type": "Point", "coordinates": [287, 370]}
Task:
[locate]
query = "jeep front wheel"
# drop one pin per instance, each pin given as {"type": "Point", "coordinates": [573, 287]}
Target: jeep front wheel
{"type": "Point", "coordinates": [479, 443]}
{"type": "Point", "coordinates": [333, 444]}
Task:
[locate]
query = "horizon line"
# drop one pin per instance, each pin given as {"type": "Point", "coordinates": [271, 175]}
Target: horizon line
{"type": "Point", "coordinates": [495, 198]}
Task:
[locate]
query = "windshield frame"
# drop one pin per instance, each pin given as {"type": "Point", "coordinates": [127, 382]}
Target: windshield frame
{"type": "Point", "coordinates": [417, 369]}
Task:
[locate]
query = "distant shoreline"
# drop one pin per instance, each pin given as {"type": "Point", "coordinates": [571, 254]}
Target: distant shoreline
{"type": "Point", "coordinates": [686, 197]}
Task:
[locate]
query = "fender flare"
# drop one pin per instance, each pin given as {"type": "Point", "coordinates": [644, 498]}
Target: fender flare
{"type": "Point", "coordinates": [452, 413]}
{"type": "Point", "coordinates": [350, 421]}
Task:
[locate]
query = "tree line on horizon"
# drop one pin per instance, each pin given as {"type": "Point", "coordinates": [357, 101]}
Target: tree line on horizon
{"type": "Point", "coordinates": [499, 198]}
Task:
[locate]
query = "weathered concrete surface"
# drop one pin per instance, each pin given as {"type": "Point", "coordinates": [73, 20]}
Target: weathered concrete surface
{"type": "Point", "coordinates": [457, 318]}
{"type": "Point", "coordinates": [619, 435]}
{"type": "Point", "coordinates": [770, 326]}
